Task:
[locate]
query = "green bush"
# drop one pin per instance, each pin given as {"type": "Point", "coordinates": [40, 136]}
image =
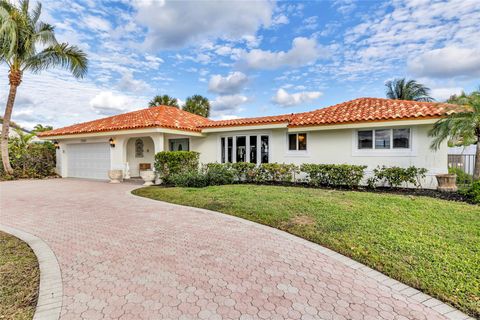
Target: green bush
{"type": "Point", "coordinates": [244, 171]}
{"type": "Point", "coordinates": [30, 160]}
{"type": "Point", "coordinates": [333, 174]}
{"type": "Point", "coordinates": [473, 192]}
{"type": "Point", "coordinates": [190, 179]}
{"type": "Point", "coordinates": [395, 176]}
{"type": "Point", "coordinates": [275, 172]}
{"type": "Point", "coordinates": [168, 163]}
{"type": "Point", "coordinates": [462, 176]}
{"type": "Point", "coordinates": [219, 173]}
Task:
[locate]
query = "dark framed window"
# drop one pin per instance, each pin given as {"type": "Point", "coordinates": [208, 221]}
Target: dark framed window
{"type": "Point", "coordinates": [401, 138]}
{"type": "Point", "coordinates": [382, 139]}
{"type": "Point", "coordinates": [297, 141]}
{"type": "Point", "coordinates": [222, 146]}
{"type": "Point", "coordinates": [253, 149]}
{"type": "Point", "coordinates": [229, 149]}
{"type": "Point", "coordinates": [264, 149]}
{"type": "Point", "coordinates": [365, 139]}
{"type": "Point", "coordinates": [292, 141]}
{"type": "Point", "coordinates": [241, 149]}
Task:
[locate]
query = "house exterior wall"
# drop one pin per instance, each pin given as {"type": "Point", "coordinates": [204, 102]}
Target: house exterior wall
{"type": "Point", "coordinates": [339, 147]}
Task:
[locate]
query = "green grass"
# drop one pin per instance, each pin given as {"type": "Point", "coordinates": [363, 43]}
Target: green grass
{"type": "Point", "coordinates": [19, 279]}
{"type": "Point", "coordinates": [430, 244]}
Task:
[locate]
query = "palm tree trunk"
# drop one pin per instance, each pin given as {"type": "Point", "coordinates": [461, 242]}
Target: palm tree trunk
{"type": "Point", "coordinates": [476, 170]}
{"type": "Point", "coordinates": [15, 78]}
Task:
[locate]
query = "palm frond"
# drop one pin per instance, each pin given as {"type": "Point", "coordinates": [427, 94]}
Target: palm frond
{"type": "Point", "coordinates": [60, 55]}
{"type": "Point", "coordinates": [45, 34]}
{"type": "Point", "coordinates": [36, 13]}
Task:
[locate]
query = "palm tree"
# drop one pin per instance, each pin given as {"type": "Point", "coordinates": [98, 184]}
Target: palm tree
{"type": "Point", "coordinates": [462, 126]}
{"type": "Point", "coordinates": [41, 128]}
{"type": "Point", "coordinates": [198, 105]}
{"type": "Point", "coordinates": [21, 34]}
{"type": "Point", "coordinates": [164, 100]}
{"type": "Point", "coordinates": [401, 89]}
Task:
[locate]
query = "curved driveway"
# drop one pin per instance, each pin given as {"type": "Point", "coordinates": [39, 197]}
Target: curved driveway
{"type": "Point", "coordinates": [123, 257]}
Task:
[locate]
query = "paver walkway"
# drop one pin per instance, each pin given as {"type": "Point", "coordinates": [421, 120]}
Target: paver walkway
{"type": "Point", "coordinates": [123, 257]}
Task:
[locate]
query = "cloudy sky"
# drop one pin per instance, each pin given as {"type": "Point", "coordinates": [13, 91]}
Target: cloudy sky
{"type": "Point", "coordinates": [249, 58]}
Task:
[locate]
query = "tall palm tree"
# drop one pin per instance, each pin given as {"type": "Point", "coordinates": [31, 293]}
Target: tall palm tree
{"type": "Point", "coordinates": [164, 100]}
{"type": "Point", "coordinates": [197, 104]}
{"type": "Point", "coordinates": [402, 89]}
{"type": "Point", "coordinates": [21, 34]}
{"type": "Point", "coordinates": [462, 126]}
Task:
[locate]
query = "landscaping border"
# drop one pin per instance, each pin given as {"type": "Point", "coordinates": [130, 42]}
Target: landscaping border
{"type": "Point", "coordinates": [446, 310]}
{"type": "Point", "coordinates": [50, 293]}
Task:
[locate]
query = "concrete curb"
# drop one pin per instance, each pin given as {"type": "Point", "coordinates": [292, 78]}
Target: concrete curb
{"type": "Point", "coordinates": [50, 291]}
{"type": "Point", "coordinates": [447, 311]}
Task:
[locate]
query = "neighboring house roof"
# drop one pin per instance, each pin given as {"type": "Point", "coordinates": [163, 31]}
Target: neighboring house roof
{"type": "Point", "coordinates": [358, 110]}
{"type": "Point", "coordinates": [161, 117]}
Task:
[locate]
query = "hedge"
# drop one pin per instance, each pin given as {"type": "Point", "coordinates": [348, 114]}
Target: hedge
{"type": "Point", "coordinates": [175, 162]}
{"type": "Point", "coordinates": [395, 177]}
{"type": "Point", "coordinates": [333, 174]}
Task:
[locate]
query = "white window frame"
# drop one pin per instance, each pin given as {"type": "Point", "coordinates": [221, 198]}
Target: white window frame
{"type": "Point", "coordinates": [234, 146]}
{"type": "Point", "coordinates": [408, 152]}
{"type": "Point", "coordinates": [296, 151]}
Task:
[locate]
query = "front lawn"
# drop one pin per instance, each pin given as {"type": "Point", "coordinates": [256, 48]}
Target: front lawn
{"type": "Point", "coordinates": [19, 279]}
{"type": "Point", "coordinates": [430, 244]}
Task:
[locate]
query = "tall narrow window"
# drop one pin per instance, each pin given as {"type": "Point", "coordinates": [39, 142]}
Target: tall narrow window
{"type": "Point", "coordinates": [292, 141]}
{"type": "Point", "coordinates": [382, 139]}
{"type": "Point", "coordinates": [229, 149]}
{"type": "Point", "coordinates": [264, 149]}
{"type": "Point", "coordinates": [253, 149]}
{"type": "Point", "coordinates": [222, 146]}
{"type": "Point", "coordinates": [302, 141]}
{"type": "Point", "coordinates": [365, 139]}
{"type": "Point", "coordinates": [241, 149]}
{"type": "Point", "coordinates": [401, 138]}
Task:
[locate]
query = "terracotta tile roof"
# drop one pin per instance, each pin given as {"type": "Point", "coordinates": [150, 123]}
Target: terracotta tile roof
{"type": "Point", "coordinates": [284, 118]}
{"type": "Point", "coordinates": [370, 109]}
{"type": "Point", "coordinates": [161, 116]}
{"type": "Point", "coordinates": [358, 110]}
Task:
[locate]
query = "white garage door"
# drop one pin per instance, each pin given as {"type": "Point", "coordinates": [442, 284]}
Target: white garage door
{"type": "Point", "coordinates": [88, 160]}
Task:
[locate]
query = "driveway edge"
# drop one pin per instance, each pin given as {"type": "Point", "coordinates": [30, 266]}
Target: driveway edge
{"type": "Point", "coordinates": [446, 310]}
{"type": "Point", "coordinates": [50, 291]}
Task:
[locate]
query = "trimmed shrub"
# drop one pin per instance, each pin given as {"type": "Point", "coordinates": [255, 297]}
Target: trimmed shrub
{"type": "Point", "coordinates": [189, 179]}
{"type": "Point", "coordinates": [462, 176]}
{"type": "Point", "coordinates": [275, 172]}
{"type": "Point", "coordinates": [395, 176]}
{"type": "Point", "coordinates": [219, 173]}
{"type": "Point", "coordinates": [333, 174]}
{"type": "Point", "coordinates": [30, 160]}
{"type": "Point", "coordinates": [473, 192]}
{"type": "Point", "coordinates": [168, 163]}
{"type": "Point", "coordinates": [244, 171]}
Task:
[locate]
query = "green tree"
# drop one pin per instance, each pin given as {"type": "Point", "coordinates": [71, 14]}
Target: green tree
{"type": "Point", "coordinates": [461, 126]}
{"type": "Point", "coordinates": [41, 128]}
{"type": "Point", "coordinates": [197, 104]}
{"type": "Point", "coordinates": [164, 100]}
{"type": "Point", "coordinates": [402, 89]}
{"type": "Point", "coordinates": [27, 44]}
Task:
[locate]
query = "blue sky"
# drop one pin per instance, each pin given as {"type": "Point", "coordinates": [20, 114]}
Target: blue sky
{"type": "Point", "coordinates": [250, 58]}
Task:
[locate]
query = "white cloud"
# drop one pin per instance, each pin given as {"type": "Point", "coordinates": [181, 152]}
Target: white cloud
{"type": "Point", "coordinates": [447, 62]}
{"type": "Point", "coordinates": [304, 51]}
{"type": "Point", "coordinates": [176, 24]}
{"type": "Point", "coordinates": [129, 83]}
{"type": "Point", "coordinates": [228, 105]}
{"type": "Point", "coordinates": [108, 103]}
{"type": "Point", "coordinates": [442, 94]}
{"type": "Point", "coordinates": [286, 99]}
{"type": "Point", "coordinates": [230, 84]}
{"type": "Point", "coordinates": [97, 23]}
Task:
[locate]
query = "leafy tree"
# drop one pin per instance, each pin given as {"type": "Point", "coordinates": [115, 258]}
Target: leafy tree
{"type": "Point", "coordinates": [462, 126]}
{"type": "Point", "coordinates": [197, 104]}
{"type": "Point", "coordinates": [41, 128]}
{"type": "Point", "coordinates": [27, 44]}
{"type": "Point", "coordinates": [164, 100]}
{"type": "Point", "coordinates": [402, 89]}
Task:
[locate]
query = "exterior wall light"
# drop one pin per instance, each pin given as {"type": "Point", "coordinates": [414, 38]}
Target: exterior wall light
{"type": "Point", "coordinates": [56, 145]}
{"type": "Point", "coordinates": [112, 142]}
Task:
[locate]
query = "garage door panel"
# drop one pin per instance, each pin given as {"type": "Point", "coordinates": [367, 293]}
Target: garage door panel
{"type": "Point", "coordinates": [88, 160]}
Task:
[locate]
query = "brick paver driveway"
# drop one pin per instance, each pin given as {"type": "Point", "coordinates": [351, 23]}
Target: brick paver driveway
{"type": "Point", "coordinates": [124, 257]}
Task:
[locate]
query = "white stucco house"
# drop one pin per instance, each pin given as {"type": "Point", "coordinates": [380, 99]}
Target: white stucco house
{"type": "Point", "coordinates": [364, 131]}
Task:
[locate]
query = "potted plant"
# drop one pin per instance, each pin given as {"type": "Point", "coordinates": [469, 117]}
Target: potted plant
{"type": "Point", "coordinates": [447, 182]}
{"type": "Point", "coordinates": [115, 176]}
